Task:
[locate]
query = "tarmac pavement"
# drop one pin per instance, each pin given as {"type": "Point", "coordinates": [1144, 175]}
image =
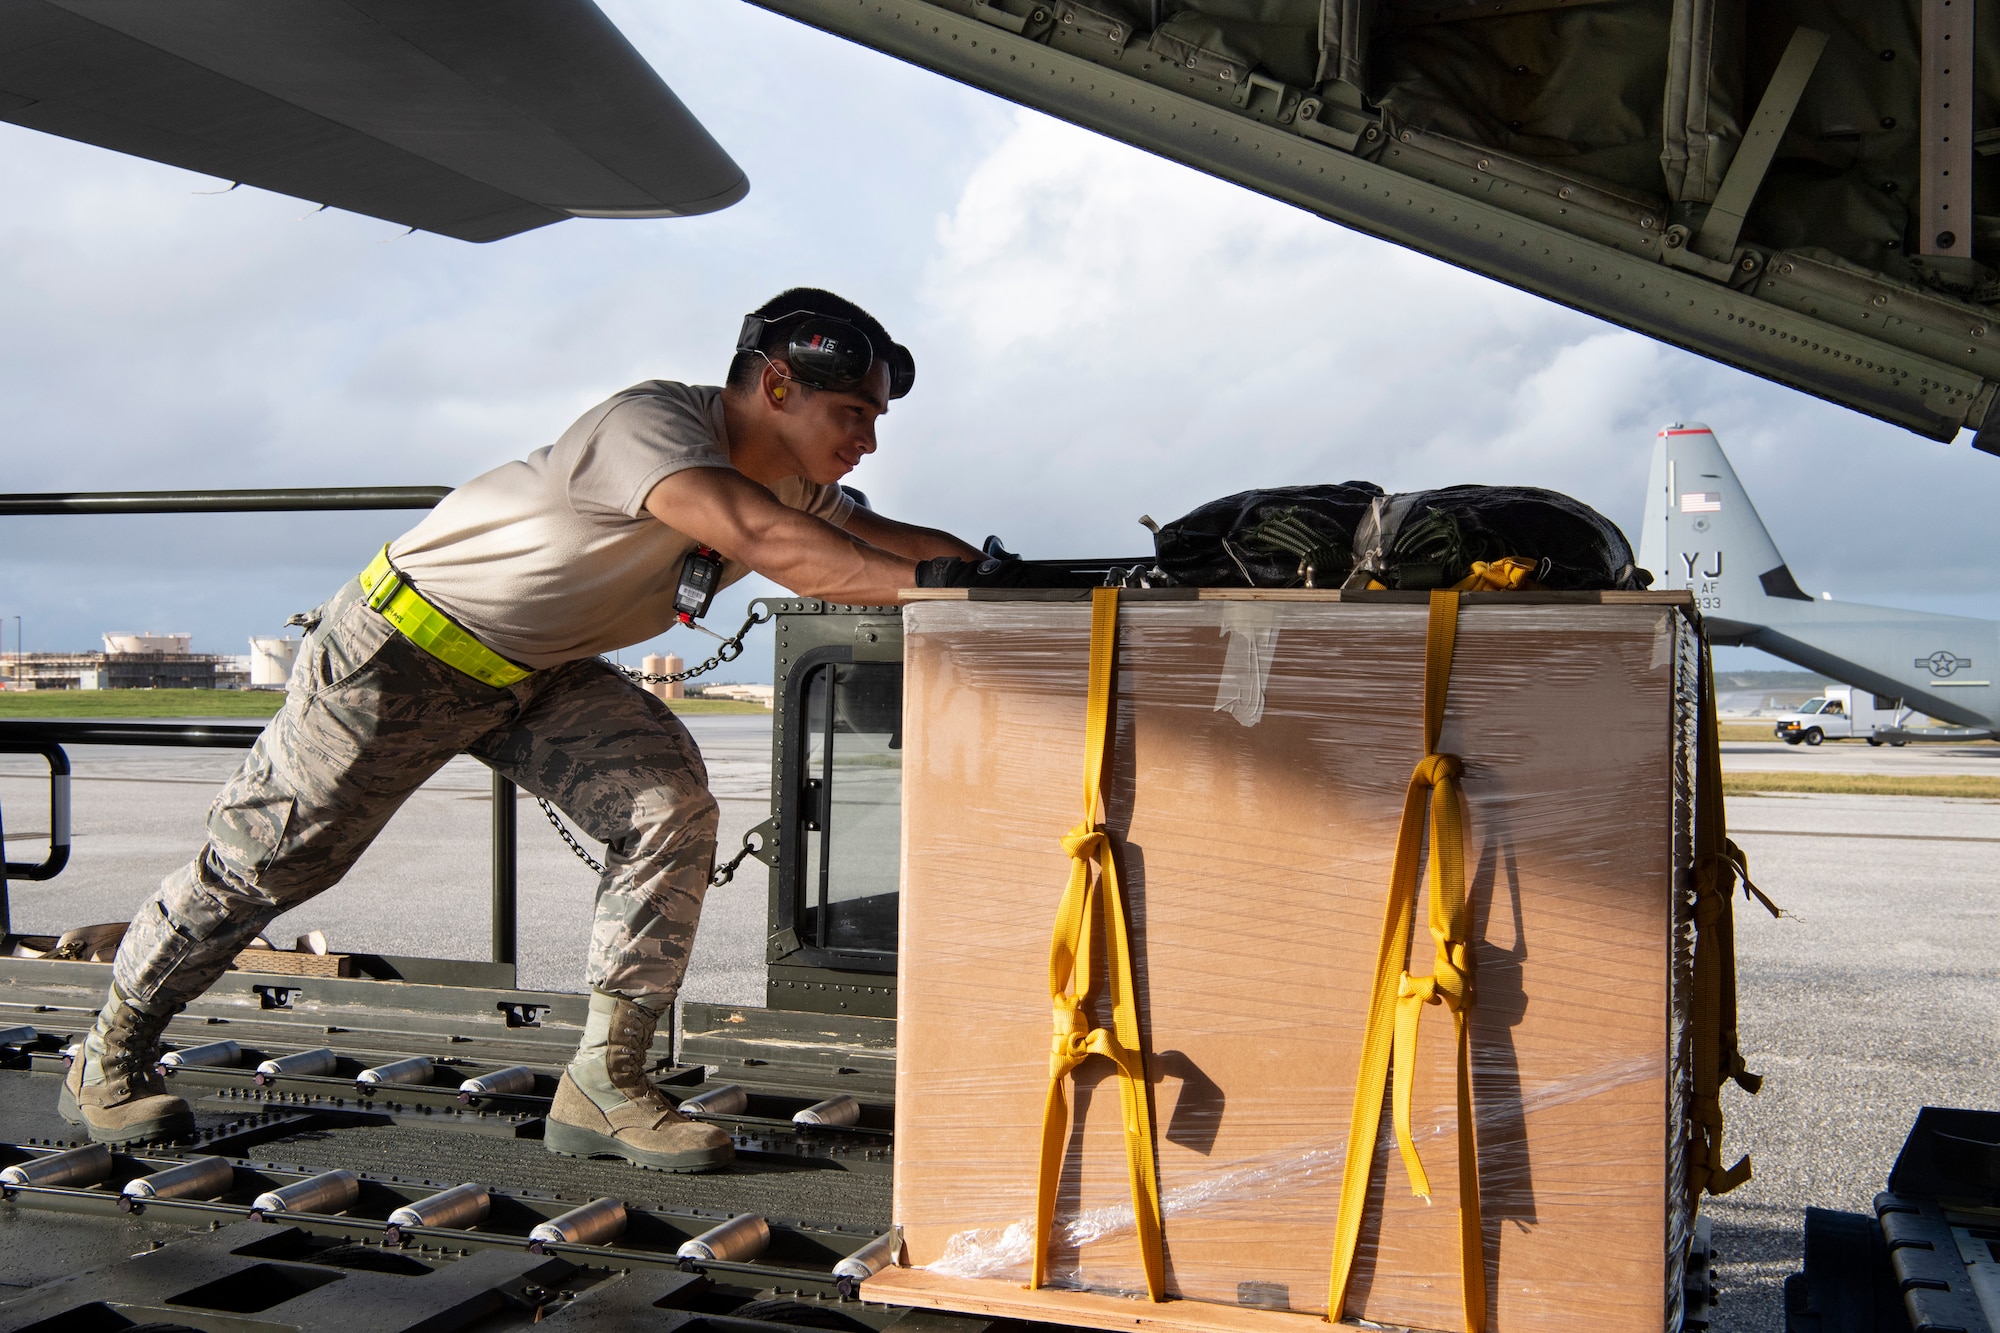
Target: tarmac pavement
{"type": "Point", "coordinates": [423, 889]}
{"type": "Point", "coordinates": [1918, 757]}
{"type": "Point", "coordinates": [1876, 995]}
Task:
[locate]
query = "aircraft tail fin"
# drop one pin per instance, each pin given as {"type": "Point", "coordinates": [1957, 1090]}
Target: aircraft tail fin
{"type": "Point", "coordinates": [1702, 533]}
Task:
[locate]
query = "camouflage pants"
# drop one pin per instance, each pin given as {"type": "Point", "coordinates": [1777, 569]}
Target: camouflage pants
{"type": "Point", "coordinates": [368, 717]}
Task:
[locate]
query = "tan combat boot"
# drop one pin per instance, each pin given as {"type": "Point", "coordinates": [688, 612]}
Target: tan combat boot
{"type": "Point", "coordinates": [114, 1088]}
{"type": "Point", "coordinates": [605, 1104]}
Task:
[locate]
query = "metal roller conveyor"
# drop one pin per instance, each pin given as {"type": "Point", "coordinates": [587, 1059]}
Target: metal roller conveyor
{"type": "Point", "coordinates": [76, 1168]}
{"type": "Point", "coordinates": [834, 1111]}
{"type": "Point", "coordinates": [326, 1193]}
{"type": "Point", "coordinates": [866, 1262]}
{"type": "Point", "coordinates": [211, 1055]}
{"type": "Point", "coordinates": [24, 1035]}
{"type": "Point", "coordinates": [511, 1081]}
{"type": "Point", "coordinates": [416, 1069]}
{"type": "Point", "coordinates": [308, 1063]}
{"type": "Point", "coordinates": [454, 1209]}
{"type": "Point", "coordinates": [729, 1099]}
{"type": "Point", "coordinates": [196, 1178]}
{"type": "Point", "coordinates": [596, 1223]}
{"type": "Point", "coordinates": [739, 1240]}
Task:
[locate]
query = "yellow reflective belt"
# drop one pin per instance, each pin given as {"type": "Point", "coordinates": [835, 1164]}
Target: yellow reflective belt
{"type": "Point", "coordinates": [1395, 1004]}
{"type": "Point", "coordinates": [431, 629]}
{"type": "Point", "coordinates": [1070, 985]}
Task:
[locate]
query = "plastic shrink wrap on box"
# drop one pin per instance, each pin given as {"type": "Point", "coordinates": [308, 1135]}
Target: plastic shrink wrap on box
{"type": "Point", "coordinates": [1257, 762]}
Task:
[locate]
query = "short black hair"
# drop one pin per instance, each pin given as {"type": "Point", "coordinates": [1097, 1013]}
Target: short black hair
{"type": "Point", "coordinates": [745, 367]}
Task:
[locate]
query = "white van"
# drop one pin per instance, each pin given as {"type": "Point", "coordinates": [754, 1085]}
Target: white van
{"type": "Point", "coordinates": [1842, 712]}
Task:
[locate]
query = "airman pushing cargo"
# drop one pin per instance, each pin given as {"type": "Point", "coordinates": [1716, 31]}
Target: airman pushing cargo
{"type": "Point", "coordinates": [481, 631]}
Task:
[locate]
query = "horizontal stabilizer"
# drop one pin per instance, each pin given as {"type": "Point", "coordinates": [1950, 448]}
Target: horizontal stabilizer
{"type": "Point", "coordinates": [1702, 534]}
{"type": "Point", "coordinates": [471, 120]}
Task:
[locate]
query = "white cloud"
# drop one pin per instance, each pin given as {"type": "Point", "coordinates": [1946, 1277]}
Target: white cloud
{"type": "Point", "coordinates": [1099, 333]}
{"type": "Point", "coordinates": [1122, 334]}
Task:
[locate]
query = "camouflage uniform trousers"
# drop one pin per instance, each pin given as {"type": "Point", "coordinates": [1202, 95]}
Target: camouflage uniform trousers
{"type": "Point", "coordinates": [368, 717]}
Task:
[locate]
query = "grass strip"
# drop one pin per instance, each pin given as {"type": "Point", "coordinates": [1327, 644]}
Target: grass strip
{"type": "Point", "coordinates": [89, 705]}
{"type": "Point", "coordinates": [1970, 786]}
{"type": "Point", "coordinates": [94, 704]}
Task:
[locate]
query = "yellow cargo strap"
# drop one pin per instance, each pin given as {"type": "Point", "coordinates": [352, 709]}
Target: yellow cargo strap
{"type": "Point", "coordinates": [1070, 985]}
{"type": "Point", "coordinates": [431, 629]}
{"type": "Point", "coordinates": [1718, 863]}
{"type": "Point", "coordinates": [1509, 573]}
{"type": "Point", "coordinates": [1396, 1002]}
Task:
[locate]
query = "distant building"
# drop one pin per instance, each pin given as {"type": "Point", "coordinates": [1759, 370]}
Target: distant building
{"type": "Point", "coordinates": [269, 664]}
{"type": "Point", "coordinates": [146, 643]}
{"type": "Point", "coordinates": [757, 694]}
{"type": "Point", "coordinates": [129, 662]}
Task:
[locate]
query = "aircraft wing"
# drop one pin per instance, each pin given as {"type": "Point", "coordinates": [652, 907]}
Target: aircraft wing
{"type": "Point", "coordinates": [472, 120]}
{"type": "Point", "coordinates": [1793, 190]}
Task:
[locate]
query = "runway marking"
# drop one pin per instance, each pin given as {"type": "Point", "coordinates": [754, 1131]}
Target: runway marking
{"type": "Point", "coordinates": [1891, 837]}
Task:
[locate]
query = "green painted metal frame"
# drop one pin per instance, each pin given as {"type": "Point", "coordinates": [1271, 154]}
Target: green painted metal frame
{"type": "Point", "coordinates": [1785, 317]}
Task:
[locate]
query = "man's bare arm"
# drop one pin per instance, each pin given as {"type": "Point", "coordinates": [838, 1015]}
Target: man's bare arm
{"type": "Point", "coordinates": [722, 508]}
{"type": "Point", "coordinates": [906, 539]}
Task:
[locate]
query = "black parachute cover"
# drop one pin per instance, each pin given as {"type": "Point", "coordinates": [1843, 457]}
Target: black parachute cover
{"type": "Point", "coordinates": [1273, 538]}
{"type": "Point", "coordinates": [1441, 532]}
{"type": "Point", "coordinates": [1267, 538]}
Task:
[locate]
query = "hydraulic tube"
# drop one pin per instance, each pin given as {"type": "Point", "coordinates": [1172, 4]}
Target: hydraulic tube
{"type": "Point", "coordinates": [511, 1081]}
{"type": "Point", "coordinates": [210, 1055]}
{"type": "Point", "coordinates": [596, 1223]}
{"type": "Point", "coordinates": [725, 1100]}
{"type": "Point", "coordinates": [76, 1168]}
{"type": "Point", "coordinates": [196, 1178]}
{"type": "Point", "coordinates": [740, 1239]}
{"type": "Point", "coordinates": [321, 1061]}
{"type": "Point", "coordinates": [416, 1069]}
{"type": "Point", "coordinates": [866, 1262]}
{"type": "Point", "coordinates": [455, 1209]}
{"type": "Point", "coordinates": [841, 1110]}
{"type": "Point", "coordinates": [327, 1192]}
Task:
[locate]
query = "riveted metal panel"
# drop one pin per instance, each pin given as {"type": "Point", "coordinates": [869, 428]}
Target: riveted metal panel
{"type": "Point", "coordinates": [1477, 220]}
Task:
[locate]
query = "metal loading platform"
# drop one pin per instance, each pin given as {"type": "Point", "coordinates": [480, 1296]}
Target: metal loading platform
{"type": "Point", "coordinates": [85, 1254]}
{"type": "Point", "coordinates": [80, 1252]}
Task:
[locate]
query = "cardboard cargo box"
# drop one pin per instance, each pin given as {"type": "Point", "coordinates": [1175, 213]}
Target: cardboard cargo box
{"type": "Point", "coordinates": [1255, 777]}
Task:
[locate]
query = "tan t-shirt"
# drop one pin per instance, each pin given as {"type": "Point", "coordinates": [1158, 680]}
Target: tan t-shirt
{"type": "Point", "coordinates": [555, 557]}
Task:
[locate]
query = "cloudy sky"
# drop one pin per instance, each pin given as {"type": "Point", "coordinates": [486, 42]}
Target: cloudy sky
{"type": "Point", "coordinates": [1099, 334]}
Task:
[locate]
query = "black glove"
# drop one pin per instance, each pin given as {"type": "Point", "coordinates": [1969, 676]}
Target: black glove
{"type": "Point", "coordinates": [948, 571]}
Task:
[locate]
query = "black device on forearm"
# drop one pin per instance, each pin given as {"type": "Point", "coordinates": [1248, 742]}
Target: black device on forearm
{"type": "Point", "coordinates": [701, 575]}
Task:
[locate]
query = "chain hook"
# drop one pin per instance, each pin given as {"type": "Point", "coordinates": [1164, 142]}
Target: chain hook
{"type": "Point", "coordinates": [731, 649]}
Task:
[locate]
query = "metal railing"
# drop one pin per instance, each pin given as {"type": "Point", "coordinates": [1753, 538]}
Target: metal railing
{"type": "Point", "coordinates": [47, 738]}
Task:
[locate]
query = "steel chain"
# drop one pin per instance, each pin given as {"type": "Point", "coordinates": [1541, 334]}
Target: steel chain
{"type": "Point", "coordinates": [731, 649]}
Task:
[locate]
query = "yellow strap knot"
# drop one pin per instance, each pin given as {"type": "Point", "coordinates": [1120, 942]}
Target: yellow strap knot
{"type": "Point", "coordinates": [1434, 769]}
{"type": "Point", "coordinates": [1071, 975]}
{"type": "Point", "coordinates": [1085, 842]}
{"type": "Point", "coordinates": [1396, 1003]}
